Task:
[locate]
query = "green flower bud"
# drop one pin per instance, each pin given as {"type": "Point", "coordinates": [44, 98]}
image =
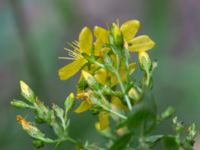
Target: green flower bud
{"type": "Point", "coordinates": [167, 113]}
{"type": "Point", "coordinates": [90, 80]}
{"type": "Point", "coordinates": [117, 37]}
{"type": "Point", "coordinates": [69, 102]}
{"type": "Point", "coordinates": [134, 94]}
{"type": "Point", "coordinates": [27, 92]}
{"type": "Point", "coordinates": [20, 104]}
{"type": "Point", "coordinates": [144, 61]}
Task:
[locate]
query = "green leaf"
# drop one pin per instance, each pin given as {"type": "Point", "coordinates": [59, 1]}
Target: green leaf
{"type": "Point", "coordinates": [43, 113]}
{"type": "Point", "coordinates": [167, 113]}
{"type": "Point", "coordinates": [38, 143]}
{"type": "Point", "coordinates": [59, 111]}
{"type": "Point", "coordinates": [192, 131]}
{"type": "Point", "coordinates": [152, 140]}
{"type": "Point", "coordinates": [108, 62]}
{"type": "Point", "coordinates": [82, 84]}
{"type": "Point", "coordinates": [121, 143]}
{"type": "Point", "coordinates": [58, 130]}
{"type": "Point", "coordinates": [170, 143]}
{"type": "Point", "coordinates": [143, 116]}
{"type": "Point", "coordinates": [69, 102]}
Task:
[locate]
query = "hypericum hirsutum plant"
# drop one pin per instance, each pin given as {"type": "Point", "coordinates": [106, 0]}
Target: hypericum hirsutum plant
{"type": "Point", "coordinates": [123, 103]}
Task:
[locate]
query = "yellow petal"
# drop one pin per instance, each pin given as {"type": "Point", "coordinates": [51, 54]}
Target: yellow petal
{"type": "Point", "coordinates": [113, 78]}
{"type": "Point", "coordinates": [101, 35]}
{"type": "Point", "coordinates": [97, 126]}
{"type": "Point", "coordinates": [101, 75]}
{"type": "Point", "coordinates": [132, 68]}
{"type": "Point", "coordinates": [123, 73]}
{"type": "Point", "coordinates": [141, 43]}
{"type": "Point", "coordinates": [85, 40]}
{"type": "Point", "coordinates": [102, 51]}
{"type": "Point", "coordinates": [100, 32]}
{"type": "Point", "coordinates": [89, 78]}
{"type": "Point", "coordinates": [116, 102]}
{"type": "Point", "coordinates": [129, 29]}
{"type": "Point", "coordinates": [71, 69]}
{"type": "Point", "coordinates": [103, 120]}
{"type": "Point", "coordinates": [116, 30]}
{"type": "Point", "coordinates": [84, 106]}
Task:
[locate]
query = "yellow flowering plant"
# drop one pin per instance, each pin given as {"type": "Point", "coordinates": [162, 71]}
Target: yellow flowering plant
{"type": "Point", "coordinates": [124, 105]}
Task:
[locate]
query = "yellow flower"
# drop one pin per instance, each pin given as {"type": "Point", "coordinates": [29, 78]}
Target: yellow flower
{"type": "Point", "coordinates": [135, 44]}
{"type": "Point", "coordinates": [84, 45]}
{"type": "Point", "coordinates": [129, 30]}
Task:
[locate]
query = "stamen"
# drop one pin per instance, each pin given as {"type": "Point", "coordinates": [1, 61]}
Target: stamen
{"type": "Point", "coordinates": [67, 58]}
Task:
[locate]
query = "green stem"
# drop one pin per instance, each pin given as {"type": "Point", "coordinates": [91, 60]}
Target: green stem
{"type": "Point", "coordinates": [106, 107]}
{"type": "Point", "coordinates": [148, 79]}
{"type": "Point", "coordinates": [126, 64]}
{"type": "Point", "coordinates": [116, 113]}
{"type": "Point", "coordinates": [123, 90]}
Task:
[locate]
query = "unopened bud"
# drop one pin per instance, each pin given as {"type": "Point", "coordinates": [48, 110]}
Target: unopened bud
{"type": "Point", "coordinates": [27, 92]}
{"type": "Point", "coordinates": [90, 80]}
{"type": "Point", "coordinates": [133, 94]}
{"type": "Point", "coordinates": [69, 102]}
{"type": "Point", "coordinates": [20, 104]}
{"type": "Point", "coordinates": [144, 61]}
{"type": "Point", "coordinates": [118, 38]}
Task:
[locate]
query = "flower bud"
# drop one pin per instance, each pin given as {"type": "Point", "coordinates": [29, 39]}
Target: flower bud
{"type": "Point", "coordinates": [27, 92]}
{"type": "Point", "coordinates": [144, 61]}
{"type": "Point", "coordinates": [69, 102]}
{"type": "Point", "coordinates": [26, 125]}
{"type": "Point", "coordinates": [90, 80]}
{"type": "Point", "coordinates": [133, 94]}
{"type": "Point", "coordinates": [117, 35]}
{"type": "Point", "coordinates": [19, 104]}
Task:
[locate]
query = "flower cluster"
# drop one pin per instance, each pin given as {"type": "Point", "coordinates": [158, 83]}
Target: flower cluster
{"type": "Point", "coordinates": [105, 85]}
{"type": "Point", "coordinates": [122, 101]}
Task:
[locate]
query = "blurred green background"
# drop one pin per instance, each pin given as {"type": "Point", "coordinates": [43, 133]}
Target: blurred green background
{"type": "Point", "coordinates": [33, 34]}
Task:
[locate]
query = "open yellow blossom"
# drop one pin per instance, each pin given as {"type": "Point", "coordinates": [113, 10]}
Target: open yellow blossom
{"type": "Point", "coordinates": [134, 44]}
{"type": "Point", "coordinates": [84, 45]}
{"type": "Point", "coordinates": [129, 30]}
